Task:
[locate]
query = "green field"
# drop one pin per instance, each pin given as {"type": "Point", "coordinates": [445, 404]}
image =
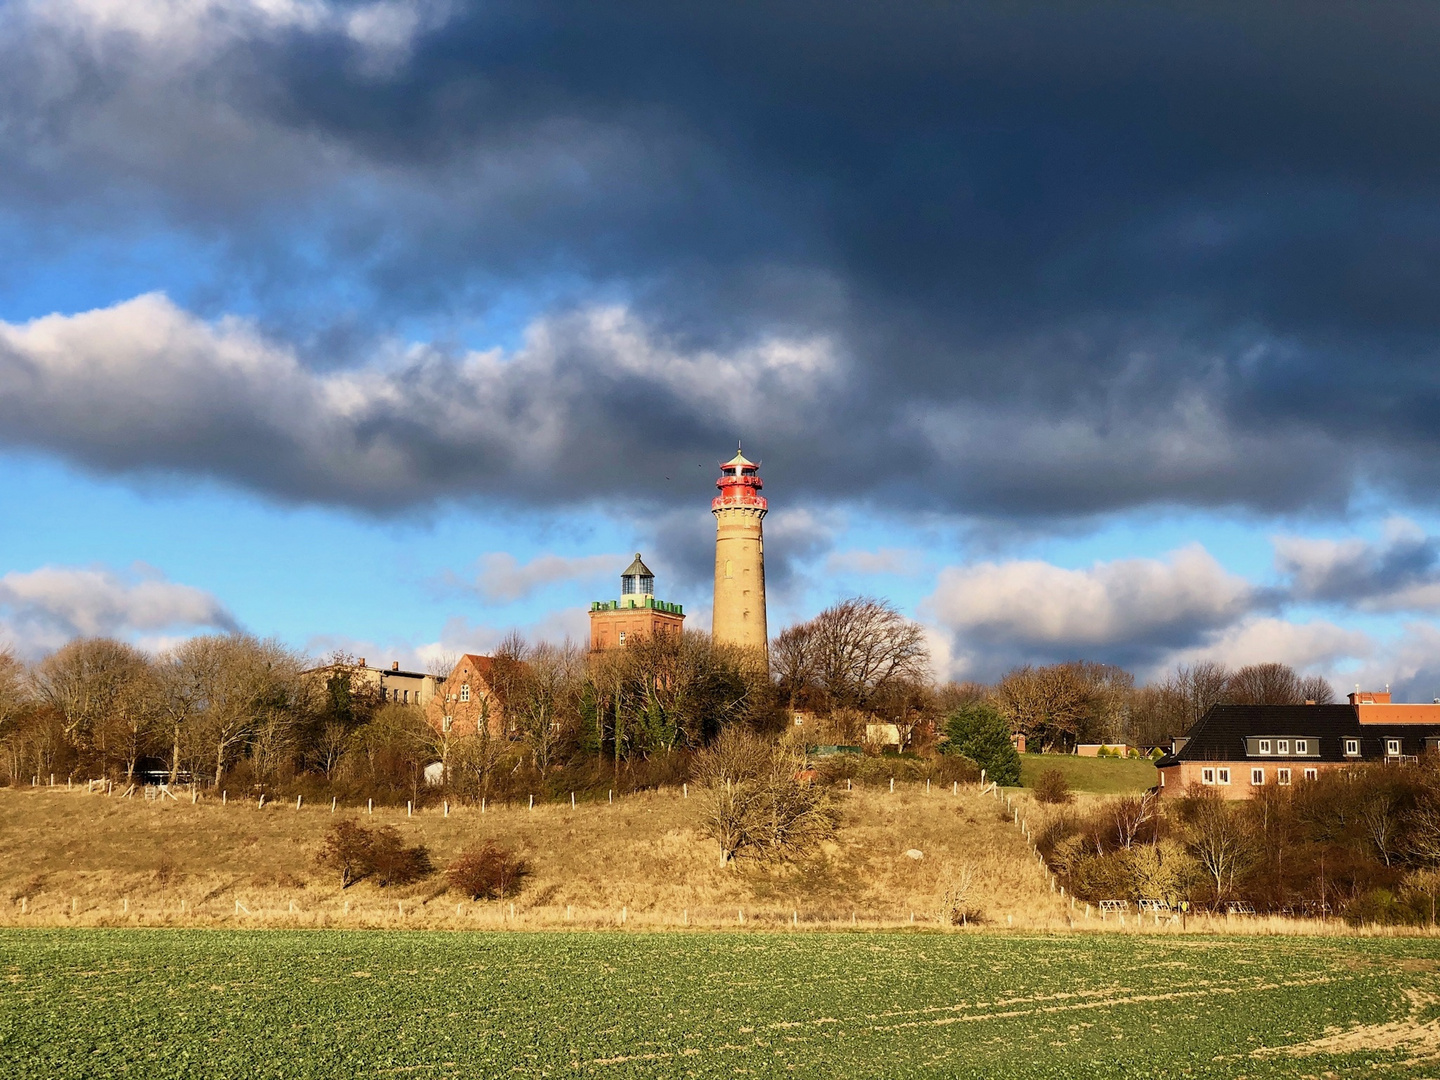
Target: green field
{"type": "Point", "coordinates": [1103, 776]}
{"type": "Point", "coordinates": [216, 1004]}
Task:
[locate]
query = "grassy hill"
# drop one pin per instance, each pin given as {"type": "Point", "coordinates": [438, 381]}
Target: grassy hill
{"type": "Point", "coordinates": [74, 858]}
{"type": "Point", "coordinates": [1100, 776]}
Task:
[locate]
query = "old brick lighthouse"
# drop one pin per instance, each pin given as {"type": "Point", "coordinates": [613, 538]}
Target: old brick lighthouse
{"type": "Point", "coordinates": [739, 555]}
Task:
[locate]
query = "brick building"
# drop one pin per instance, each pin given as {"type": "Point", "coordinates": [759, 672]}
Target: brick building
{"type": "Point", "coordinates": [467, 699]}
{"type": "Point", "coordinates": [1238, 749]}
{"type": "Point", "coordinates": [636, 614]}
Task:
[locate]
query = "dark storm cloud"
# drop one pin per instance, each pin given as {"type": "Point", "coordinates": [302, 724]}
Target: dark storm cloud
{"type": "Point", "coordinates": [1038, 260]}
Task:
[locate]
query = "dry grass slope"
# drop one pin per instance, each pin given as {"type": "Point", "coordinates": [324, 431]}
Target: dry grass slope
{"type": "Point", "coordinates": [72, 858]}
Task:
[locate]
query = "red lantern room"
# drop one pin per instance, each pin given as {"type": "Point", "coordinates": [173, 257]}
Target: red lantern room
{"type": "Point", "coordinates": [739, 484]}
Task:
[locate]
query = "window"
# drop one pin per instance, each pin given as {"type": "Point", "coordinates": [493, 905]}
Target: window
{"type": "Point", "coordinates": [1392, 747]}
{"type": "Point", "coordinates": [622, 637]}
{"type": "Point", "coordinates": [407, 697]}
{"type": "Point", "coordinates": [1264, 746]}
{"type": "Point", "coordinates": [449, 721]}
{"type": "Point", "coordinates": [1302, 746]}
{"type": "Point", "coordinates": [1282, 776]}
{"type": "Point", "coordinates": [384, 694]}
{"type": "Point", "coordinates": [1207, 776]}
{"type": "Point", "coordinates": [1311, 774]}
{"type": "Point", "coordinates": [465, 692]}
{"type": "Point", "coordinates": [1257, 777]}
{"type": "Point", "coordinates": [1352, 747]}
{"type": "Point", "coordinates": [1283, 746]}
{"type": "Point", "coordinates": [727, 568]}
{"type": "Point", "coordinates": [1222, 776]}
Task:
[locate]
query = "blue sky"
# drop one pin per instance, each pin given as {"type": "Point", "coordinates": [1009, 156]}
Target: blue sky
{"type": "Point", "coordinates": [388, 325]}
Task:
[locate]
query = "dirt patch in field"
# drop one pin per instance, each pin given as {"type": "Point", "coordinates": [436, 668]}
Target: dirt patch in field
{"type": "Point", "coordinates": [1410, 1033]}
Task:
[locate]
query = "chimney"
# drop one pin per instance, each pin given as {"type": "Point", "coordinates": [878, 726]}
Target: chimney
{"type": "Point", "coordinates": [394, 665]}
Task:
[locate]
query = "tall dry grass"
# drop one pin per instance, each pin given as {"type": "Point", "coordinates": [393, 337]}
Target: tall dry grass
{"type": "Point", "coordinates": [71, 858]}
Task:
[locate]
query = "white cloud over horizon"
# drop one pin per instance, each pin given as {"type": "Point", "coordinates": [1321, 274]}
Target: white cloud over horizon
{"type": "Point", "coordinates": [42, 609]}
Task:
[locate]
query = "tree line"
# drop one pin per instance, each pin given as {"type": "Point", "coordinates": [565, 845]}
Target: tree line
{"type": "Point", "coordinates": [239, 710]}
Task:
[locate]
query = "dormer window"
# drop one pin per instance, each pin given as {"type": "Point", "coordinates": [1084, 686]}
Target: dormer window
{"type": "Point", "coordinates": [1302, 746]}
{"type": "Point", "coordinates": [1392, 747]}
{"type": "Point", "coordinates": [1282, 746]}
{"type": "Point", "coordinates": [1264, 746]}
{"type": "Point", "coordinates": [1352, 747]}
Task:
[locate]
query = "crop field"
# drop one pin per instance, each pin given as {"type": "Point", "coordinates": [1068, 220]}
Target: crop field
{"type": "Point", "coordinates": [214, 1004]}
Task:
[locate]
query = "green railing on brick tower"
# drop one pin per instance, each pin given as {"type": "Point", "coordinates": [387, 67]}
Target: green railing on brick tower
{"type": "Point", "coordinates": [638, 604]}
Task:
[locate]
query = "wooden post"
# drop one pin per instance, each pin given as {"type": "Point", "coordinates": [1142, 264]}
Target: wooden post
{"type": "Point", "coordinates": [224, 795]}
{"type": "Point", "coordinates": [409, 808]}
{"type": "Point", "coordinates": [298, 800]}
{"type": "Point", "coordinates": [262, 802]}
{"type": "Point", "coordinates": [955, 788]}
{"type": "Point", "coordinates": [447, 807]}
{"type": "Point", "coordinates": [333, 800]}
{"type": "Point", "coordinates": [369, 806]}
{"type": "Point", "coordinates": [532, 802]}
{"type": "Point", "coordinates": [194, 796]}
{"type": "Point", "coordinates": [686, 789]}
{"type": "Point", "coordinates": [795, 918]}
{"type": "Point", "coordinates": [482, 804]}
{"type": "Point", "coordinates": [686, 917]}
{"type": "Point", "coordinates": [892, 785]}
{"type": "Point", "coordinates": [568, 910]}
{"type": "Point", "coordinates": [927, 785]}
{"type": "Point", "coordinates": [612, 796]}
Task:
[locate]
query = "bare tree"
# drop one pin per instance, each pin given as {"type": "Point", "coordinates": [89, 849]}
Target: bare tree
{"type": "Point", "coordinates": [1264, 684]}
{"type": "Point", "coordinates": [1217, 834]}
{"type": "Point", "coordinates": [851, 652]}
{"type": "Point", "coordinates": [90, 682]}
{"type": "Point", "coordinates": [756, 802]}
{"type": "Point", "coordinates": [543, 700]}
{"type": "Point", "coordinates": [1131, 815]}
{"type": "Point", "coordinates": [234, 685]}
{"type": "Point", "coordinates": [1045, 704]}
{"type": "Point", "coordinates": [1317, 688]}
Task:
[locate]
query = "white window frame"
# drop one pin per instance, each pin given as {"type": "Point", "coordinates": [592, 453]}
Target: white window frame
{"type": "Point", "coordinates": [1302, 746]}
{"type": "Point", "coordinates": [1392, 747]}
{"type": "Point", "coordinates": [1207, 776]}
{"type": "Point", "coordinates": [1312, 774]}
{"type": "Point", "coordinates": [465, 692]}
{"type": "Point", "coordinates": [449, 723]}
{"type": "Point", "coordinates": [1282, 777]}
{"type": "Point", "coordinates": [1264, 746]}
{"type": "Point", "coordinates": [1282, 746]}
{"type": "Point", "coordinates": [1352, 747]}
{"type": "Point", "coordinates": [1222, 776]}
{"type": "Point", "coordinates": [622, 637]}
{"type": "Point", "coordinates": [1257, 777]}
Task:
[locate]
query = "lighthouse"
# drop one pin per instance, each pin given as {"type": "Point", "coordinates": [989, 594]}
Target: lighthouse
{"type": "Point", "coordinates": [739, 510]}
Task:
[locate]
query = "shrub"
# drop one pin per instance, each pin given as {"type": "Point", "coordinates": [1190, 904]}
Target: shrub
{"type": "Point", "coordinates": [392, 863]}
{"type": "Point", "coordinates": [1052, 787]}
{"type": "Point", "coordinates": [347, 848]}
{"type": "Point", "coordinates": [980, 733]}
{"type": "Point", "coordinates": [358, 852]}
{"type": "Point", "coordinates": [757, 802]}
{"type": "Point", "coordinates": [487, 871]}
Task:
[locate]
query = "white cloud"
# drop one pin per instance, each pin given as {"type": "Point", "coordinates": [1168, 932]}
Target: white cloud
{"type": "Point", "coordinates": [1030, 603]}
{"type": "Point", "coordinates": [1401, 572]}
{"type": "Point", "coordinates": [503, 579]}
{"type": "Point", "coordinates": [42, 609]}
{"type": "Point", "coordinates": [178, 32]}
{"type": "Point", "coordinates": [145, 385]}
{"type": "Point", "coordinates": [1316, 646]}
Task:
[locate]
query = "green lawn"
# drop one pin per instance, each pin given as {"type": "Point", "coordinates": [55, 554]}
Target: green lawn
{"type": "Point", "coordinates": [1104, 776]}
{"type": "Point", "coordinates": [261, 1004]}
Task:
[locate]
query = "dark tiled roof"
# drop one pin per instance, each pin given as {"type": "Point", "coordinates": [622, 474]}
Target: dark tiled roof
{"type": "Point", "coordinates": [1221, 733]}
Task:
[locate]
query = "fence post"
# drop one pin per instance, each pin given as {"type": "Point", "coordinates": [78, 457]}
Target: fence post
{"type": "Point", "coordinates": [686, 789]}
{"type": "Point", "coordinates": [333, 800]}
{"type": "Point", "coordinates": [482, 804]}
{"type": "Point", "coordinates": [892, 785]}
{"type": "Point", "coordinates": [447, 807]}
{"type": "Point", "coordinates": [612, 796]}
{"type": "Point", "coordinates": [955, 787]}
{"type": "Point", "coordinates": [224, 797]}
{"type": "Point", "coordinates": [572, 800]}
{"type": "Point", "coordinates": [409, 808]}
{"type": "Point", "coordinates": [532, 802]}
{"type": "Point", "coordinates": [261, 805]}
{"type": "Point", "coordinates": [369, 806]}
{"type": "Point", "coordinates": [298, 799]}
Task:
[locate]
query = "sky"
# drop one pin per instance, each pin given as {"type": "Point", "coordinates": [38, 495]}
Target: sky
{"type": "Point", "coordinates": [1079, 331]}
